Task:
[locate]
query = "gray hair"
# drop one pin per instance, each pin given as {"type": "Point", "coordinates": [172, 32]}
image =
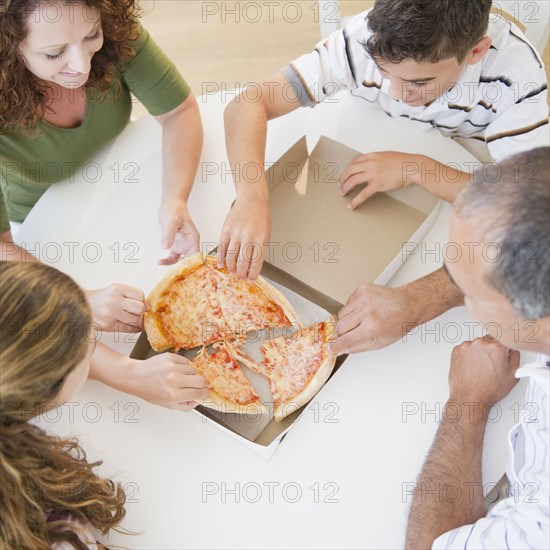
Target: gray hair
{"type": "Point", "coordinates": [511, 200]}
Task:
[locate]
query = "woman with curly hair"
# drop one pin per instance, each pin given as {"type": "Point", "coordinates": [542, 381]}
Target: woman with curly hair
{"type": "Point", "coordinates": [67, 70]}
{"type": "Point", "coordinates": [65, 78]}
{"type": "Point", "coordinates": [51, 495]}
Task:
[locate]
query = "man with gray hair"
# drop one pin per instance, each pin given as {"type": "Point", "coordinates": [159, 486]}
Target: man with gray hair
{"type": "Point", "coordinates": [511, 294]}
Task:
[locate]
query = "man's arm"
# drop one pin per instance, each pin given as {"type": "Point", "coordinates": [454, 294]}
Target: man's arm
{"type": "Point", "coordinates": [182, 138]}
{"type": "Point", "coordinates": [377, 316]}
{"type": "Point", "coordinates": [248, 223]}
{"type": "Point", "coordinates": [449, 490]}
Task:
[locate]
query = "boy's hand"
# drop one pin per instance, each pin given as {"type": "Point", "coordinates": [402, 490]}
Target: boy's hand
{"type": "Point", "coordinates": [482, 371]}
{"type": "Point", "coordinates": [117, 308]}
{"type": "Point", "coordinates": [168, 380]}
{"type": "Point", "coordinates": [179, 234]}
{"type": "Point", "coordinates": [244, 237]}
{"type": "Point", "coordinates": [373, 318]}
{"type": "Point", "coordinates": [382, 171]}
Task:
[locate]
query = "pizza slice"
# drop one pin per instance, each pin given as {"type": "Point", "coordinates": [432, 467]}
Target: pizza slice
{"type": "Point", "coordinates": [296, 366]}
{"type": "Point", "coordinates": [248, 306]}
{"type": "Point", "coordinates": [230, 390]}
{"type": "Point", "coordinates": [184, 311]}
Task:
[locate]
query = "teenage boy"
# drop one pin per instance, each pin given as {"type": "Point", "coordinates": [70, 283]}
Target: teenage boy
{"type": "Point", "coordinates": [433, 63]}
{"type": "Point", "coordinates": [448, 505]}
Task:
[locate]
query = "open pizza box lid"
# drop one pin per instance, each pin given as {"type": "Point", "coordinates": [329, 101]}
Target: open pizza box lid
{"type": "Point", "coordinates": [319, 253]}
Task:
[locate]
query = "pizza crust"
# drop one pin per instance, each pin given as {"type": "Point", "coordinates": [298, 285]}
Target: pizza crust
{"type": "Point", "coordinates": [156, 333]}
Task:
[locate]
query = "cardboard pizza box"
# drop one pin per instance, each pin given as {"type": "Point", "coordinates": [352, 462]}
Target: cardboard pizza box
{"type": "Point", "coordinates": [319, 253]}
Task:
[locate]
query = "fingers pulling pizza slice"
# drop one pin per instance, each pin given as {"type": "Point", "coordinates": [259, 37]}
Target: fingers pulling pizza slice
{"type": "Point", "coordinates": [230, 390]}
{"type": "Point", "coordinates": [184, 312]}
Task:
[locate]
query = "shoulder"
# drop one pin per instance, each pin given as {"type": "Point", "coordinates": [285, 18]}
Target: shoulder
{"type": "Point", "coordinates": [357, 28]}
{"type": "Point", "coordinates": [511, 53]}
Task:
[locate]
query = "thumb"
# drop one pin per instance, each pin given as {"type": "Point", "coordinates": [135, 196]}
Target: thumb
{"type": "Point", "coordinates": [169, 230]}
{"type": "Point", "coordinates": [513, 359]}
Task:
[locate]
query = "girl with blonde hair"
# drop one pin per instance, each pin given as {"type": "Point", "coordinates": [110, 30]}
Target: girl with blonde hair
{"type": "Point", "coordinates": [51, 495]}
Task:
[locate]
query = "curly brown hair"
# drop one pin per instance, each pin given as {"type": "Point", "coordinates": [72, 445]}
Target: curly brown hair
{"type": "Point", "coordinates": [49, 489]}
{"type": "Point", "coordinates": [22, 96]}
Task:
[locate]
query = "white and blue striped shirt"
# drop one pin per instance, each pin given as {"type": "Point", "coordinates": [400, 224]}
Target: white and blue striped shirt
{"type": "Point", "coordinates": [523, 519]}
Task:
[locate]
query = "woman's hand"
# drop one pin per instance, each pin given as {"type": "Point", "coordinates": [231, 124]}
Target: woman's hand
{"type": "Point", "coordinates": [118, 307]}
{"type": "Point", "coordinates": [167, 380]}
{"type": "Point", "coordinates": [179, 234]}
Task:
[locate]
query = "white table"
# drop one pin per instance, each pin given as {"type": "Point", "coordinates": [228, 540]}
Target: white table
{"type": "Point", "coordinates": [340, 477]}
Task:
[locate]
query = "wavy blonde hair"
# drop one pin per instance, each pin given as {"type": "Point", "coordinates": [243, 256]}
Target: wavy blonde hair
{"type": "Point", "coordinates": [23, 97]}
{"type": "Point", "coordinates": [48, 486]}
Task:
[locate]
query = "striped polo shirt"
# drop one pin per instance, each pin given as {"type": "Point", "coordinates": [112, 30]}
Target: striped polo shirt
{"type": "Point", "coordinates": [523, 519]}
{"type": "Point", "coordinates": [501, 100]}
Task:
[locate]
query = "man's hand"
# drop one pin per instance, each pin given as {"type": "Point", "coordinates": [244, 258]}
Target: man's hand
{"type": "Point", "coordinates": [244, 237]}
{"type": "Point", "coordinates": [179, 234]}
{"type": "Point", "coordinates": [382, 171]}
{"type": "Point", "coordinates": [482, 371]}
{"type": "Point", "coordinates": [117, 308]}
{"type": "Point", "coordinates": [167, 380]}
{"type": "Point", "coordinates": [374, 317]}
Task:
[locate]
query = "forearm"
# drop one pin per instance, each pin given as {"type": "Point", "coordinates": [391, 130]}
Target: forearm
{"type": "Point", "coordinates": [111, 368]}
{"type": "Point", "coordinates": [182, 139]}
{"type": "Point", "coordinates": [11, 252]}
{"type": "Point", "coordinates": [432, 296]}
{"type": "Point", "coordinates": [245, 138]}
{"type": "Point", "coordinates": [246, 130]}
{"type": "Point", "coordinates": [449, 490]}
{"type": "Point", "coordinates": [441, 180]}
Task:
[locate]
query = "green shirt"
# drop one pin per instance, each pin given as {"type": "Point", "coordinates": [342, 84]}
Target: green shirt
{"type": "Point", "coordinates": [28, 166]}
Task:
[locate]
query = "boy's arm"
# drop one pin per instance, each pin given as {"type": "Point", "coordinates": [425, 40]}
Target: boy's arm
{"type": "Point", "coordinates": [387, 170]}
{"type": "Point", "coordinates": [335, 64]}
{"type": "Point", "coordinates": [247, 226]}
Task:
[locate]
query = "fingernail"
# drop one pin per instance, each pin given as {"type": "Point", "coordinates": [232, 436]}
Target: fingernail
{"type": "Point", "coordinates": [350, 206]}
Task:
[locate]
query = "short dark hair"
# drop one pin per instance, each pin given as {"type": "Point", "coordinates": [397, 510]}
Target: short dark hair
{"type": "Point", "coordinates": [425, 30]}
{"type": "Point", "coordinates": [512, 201]}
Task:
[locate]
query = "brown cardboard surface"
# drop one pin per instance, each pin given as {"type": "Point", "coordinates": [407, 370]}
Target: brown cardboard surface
{"type": "Point", "coordinates": [317, 239]}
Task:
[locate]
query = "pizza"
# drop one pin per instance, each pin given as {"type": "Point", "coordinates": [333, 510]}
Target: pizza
{"type": "Point", "coordinates": [230, 390]}
{"type": "Point", "coordinates": [296, 366]}
{"type": "Point", "coordinates": [196, 304]}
